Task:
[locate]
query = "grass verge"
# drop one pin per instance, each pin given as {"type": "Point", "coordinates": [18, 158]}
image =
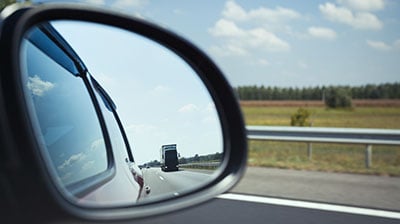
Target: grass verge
{"type": "Point", "coordinates": [326, 157]}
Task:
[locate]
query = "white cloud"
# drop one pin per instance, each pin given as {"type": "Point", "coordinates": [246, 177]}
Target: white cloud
{"type": "Point", "coordinates": [188, 108]}
{"type": "Point", "coordinates": [228, 50]}
{"type": "Point", "coordinates": [382, 46]}
{"type": "Point", "coordinates": [235, 12]}
{"type": "Point", "coordinates": [226, 28]}
{"type": "Point", "coordinates": [38, 87]}
{"type": "Point", "coordinates": [88, 165]}
{"type": "Point", "coordinates": [97, 144]}
{"type": "Point", "coordinates": [71, 160]}
{"type": "Point", "coordinates": [378, 45]}
{"type": "Point", "coordinates": [363, 5]}
{"type": "Point", "coordinates": [273, 15]}
{"type": "Point", "coordinates": [358, 20]}
{"type": "Point", "coordinates": [123, 4]}
{"type": "Point", "coordinates": [260, 37]}
{"type": "Point", "coordinates": [96, 2]}
{"type": "Point", "coordinates": [238, 40]}
{"type": "Point", "coordinates": [322, 32]}
{"type": "Point", "coordinates": [235, 50]}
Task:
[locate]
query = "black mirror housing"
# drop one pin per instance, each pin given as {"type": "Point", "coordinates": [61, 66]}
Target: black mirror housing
{"type": "Point", "coordinates": [26, 185]}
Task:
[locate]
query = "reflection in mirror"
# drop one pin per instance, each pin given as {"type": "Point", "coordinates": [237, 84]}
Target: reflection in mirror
{"type": "Point", "coordinates": [120, 119]}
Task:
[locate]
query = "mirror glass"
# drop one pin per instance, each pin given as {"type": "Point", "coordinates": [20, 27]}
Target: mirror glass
{"type": "Point", "coordinates": [120, 119]}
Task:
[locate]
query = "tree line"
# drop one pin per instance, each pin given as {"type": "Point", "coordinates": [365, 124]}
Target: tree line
{"type": "Point", "coordinates": [370, 91]}
{"type": "Point", "coordinates": [194, 159]}
{"type": "Point", "coordinates": [201, 158]}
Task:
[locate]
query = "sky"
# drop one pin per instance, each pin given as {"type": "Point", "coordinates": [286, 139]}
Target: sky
{"type": "Point", "coordinates": [285, 43]}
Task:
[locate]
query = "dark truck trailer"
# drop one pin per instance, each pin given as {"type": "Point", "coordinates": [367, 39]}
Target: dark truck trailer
{"type": "Point", "coordinates": [169, 158]}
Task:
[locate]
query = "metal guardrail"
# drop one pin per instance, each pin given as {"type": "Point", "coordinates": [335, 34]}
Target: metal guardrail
{"type": "Point", "coordinates": [310, 135]}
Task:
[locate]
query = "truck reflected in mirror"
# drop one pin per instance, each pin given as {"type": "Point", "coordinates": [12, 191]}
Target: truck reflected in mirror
{"type": "Point", "coordinates": [150, 131]}
{"type": "Point", "coordinates": [169, 158]}
{"type": "Point", "coordinates": [173, 174]}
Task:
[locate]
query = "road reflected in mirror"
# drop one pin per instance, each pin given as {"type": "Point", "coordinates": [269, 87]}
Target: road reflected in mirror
{"type": "Point", "coordinates": [120, 119]}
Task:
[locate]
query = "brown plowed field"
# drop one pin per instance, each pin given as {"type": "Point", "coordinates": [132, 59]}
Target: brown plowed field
{"type": "Point", "coordinates": [315, 103]}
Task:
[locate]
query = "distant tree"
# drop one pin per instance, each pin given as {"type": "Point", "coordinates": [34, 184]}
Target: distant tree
{"type": "Point", "coordinates": [154, 163]}
{"type": "Point", "coordinates": [217, 156]}
{"type": "Point", "coordinates": [182, 160]}
{"type": "Point", "coordinates": [275, 93]}
{"type": "Point", "coordinates": [395, 91]}
{"type": "Point", "coordinates": [339, 97]}
{"type": "Point", "coordinates": [370, 91]}
{"type": "Point", "coordinates": [301, 118]}
{"type": "Point", "coordinates": [297, 94]}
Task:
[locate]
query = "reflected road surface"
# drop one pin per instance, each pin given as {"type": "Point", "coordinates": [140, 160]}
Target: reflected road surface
{"type": "Point", "coordinates": [173, 183]}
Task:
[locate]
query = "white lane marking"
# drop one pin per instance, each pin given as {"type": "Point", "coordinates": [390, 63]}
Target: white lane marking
{"type": "Point", "coordinates": [176, 194]}
{"type": "Point", "coordinates": [162, 178]}
{"type": "Point", "coordinates": [312, 205]}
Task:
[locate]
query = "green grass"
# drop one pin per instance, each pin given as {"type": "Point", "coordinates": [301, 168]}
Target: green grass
{"type": "Point", "coordinates": [326, 157]}
{"type": "Point", "coordinates": [363, 117]}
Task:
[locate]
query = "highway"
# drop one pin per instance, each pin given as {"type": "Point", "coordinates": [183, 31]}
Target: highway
{"type": "Point", "coordinates": [355, 198]}
{"type": "Point", "coordinates": [382, 192]}
{"type": "Point", "coordinates": [239, 212]}
{"type": "Point", "coordinates": [171, 184]}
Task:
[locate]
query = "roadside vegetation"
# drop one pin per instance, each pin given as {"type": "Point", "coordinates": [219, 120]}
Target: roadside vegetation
{"type": "Point", "coordinates": [369, 91]}
{"type": "Point", "coordinates": [279, 114]}
{"type": "Point", "coordinates": [326, 157]}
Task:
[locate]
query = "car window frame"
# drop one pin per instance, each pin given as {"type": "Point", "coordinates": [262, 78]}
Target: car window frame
{"type": "Point", "coordinates": [111, 106]}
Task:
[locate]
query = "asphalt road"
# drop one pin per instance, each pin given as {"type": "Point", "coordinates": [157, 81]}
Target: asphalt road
{"type": "Point", "coordinates": [237, 212]}
{"type": "Point", "coordinates": [345, 189]}
{"type": "Point", "coordinates": [171, 184]}
{"type": "Point", "coordinates": [381, 192]}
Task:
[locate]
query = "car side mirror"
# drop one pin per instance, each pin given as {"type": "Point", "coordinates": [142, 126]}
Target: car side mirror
{"type": "Point", "coordinates": [76, 138]}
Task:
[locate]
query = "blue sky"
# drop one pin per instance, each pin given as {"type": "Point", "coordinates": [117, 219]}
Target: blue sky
{"type": "Point", "coordinates": [286, 43]}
